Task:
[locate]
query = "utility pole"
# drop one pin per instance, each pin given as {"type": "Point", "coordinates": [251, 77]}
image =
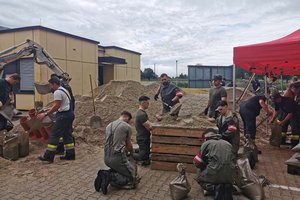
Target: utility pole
{"type": "Point", "coordinates": [154, 68]}
{"type": "Point", "coordinates": [176, 72]}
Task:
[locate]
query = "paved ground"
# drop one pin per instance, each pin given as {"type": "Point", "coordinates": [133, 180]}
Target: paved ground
{"type": "Point", "coordinates": [29, 179]}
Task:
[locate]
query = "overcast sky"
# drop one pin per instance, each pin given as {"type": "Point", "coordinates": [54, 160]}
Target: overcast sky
{"type": "Point", "coordinates": [190, 31]}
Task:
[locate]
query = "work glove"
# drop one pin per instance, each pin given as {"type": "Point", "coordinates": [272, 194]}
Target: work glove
{"type": "Point", "coordinates": [279, 123]}
{"type": "Point", "coordinates": [206, 111]}
{"type": "Point", "coordinates": [156, 97]}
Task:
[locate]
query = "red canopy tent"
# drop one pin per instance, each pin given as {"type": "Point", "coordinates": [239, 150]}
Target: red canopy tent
{"type": "Point", "coordinates": [278, 57]}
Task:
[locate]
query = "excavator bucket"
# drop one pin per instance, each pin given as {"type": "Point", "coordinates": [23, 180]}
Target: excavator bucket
{"type": "Point", "coordinates": [42, 88]}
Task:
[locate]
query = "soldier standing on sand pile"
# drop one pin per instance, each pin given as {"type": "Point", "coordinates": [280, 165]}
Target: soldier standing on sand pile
{"type": "Point", "coordinates": [7, 96]}
{"type": "Point", "coordinates": [117, 155]}
{"type": "Point", "coordinates": [228, 125]}
{"type": "Point", "coordinates": [170, 94]}
{"type": "Point", "coordinates": [62, 127]}
{"type": "Point", "coordinates": [143, 128]}
{"type": "Point", "coordinates": [271, 84]}
{"type": "Point", "coordinates": [216, 94]}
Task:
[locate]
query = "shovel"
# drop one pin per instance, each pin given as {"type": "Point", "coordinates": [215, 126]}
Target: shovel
{"type": "Point", "coordinates": [173, 109]}
{"type": "Point", "coordinates": [95, 121]}
{"type": "Point", "coordinates": [262, 121]}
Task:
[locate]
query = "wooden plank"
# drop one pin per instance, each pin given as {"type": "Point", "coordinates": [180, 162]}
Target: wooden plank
{"type": "Point", "coordinates": [196, 133]}
{"type": "Point", "coordinates": [175, 149]}
{"type": "Point", "coordinates": [167, 166]}
{"type": "Point", "coordinates": [177, 140]}
{"type": "Point", "coordinates": [172, 158]}
{"type": "Point", "coordinates": [174, 126]}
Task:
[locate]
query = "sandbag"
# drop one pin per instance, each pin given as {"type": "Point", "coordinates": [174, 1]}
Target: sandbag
{"type": "Point", "coordinates": [276, 137]}
{"type": "Point", "coordinates": [253, 191]}
{"type": "Point", "coordinates": [297, 148]}
{"type": "Point", "coordinates": [23, 143]}
{"type": "Point", "coordinates": [11, 147]}
{"type": "Point", "coordinates": [293, 161]}
{"type": "Point", "coordinates": [180, 187]}
{"type": "Point", "coordinates": [248, 181]}
{"type": "Point", "coordinates": [250, 151]}
{"type": "Point", "coordinates": [2, 134]}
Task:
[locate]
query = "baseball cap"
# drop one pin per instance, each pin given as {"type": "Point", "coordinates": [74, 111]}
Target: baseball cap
{"type": "Point", "coordinates": [275, 96]}
{"type": "Point", "coordinates": [217, 77]}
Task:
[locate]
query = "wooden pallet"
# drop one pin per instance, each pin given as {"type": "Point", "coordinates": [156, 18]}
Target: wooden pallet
{"type": "Point", "coordinates": [172, 145]}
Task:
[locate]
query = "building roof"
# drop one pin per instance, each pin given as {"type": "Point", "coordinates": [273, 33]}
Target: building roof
{"type": "Point", "coordinates": [46, 29]}
{"type": "Point", "coordinates": [210, 66]}
{"type": "Point", "coordinates": [120, 48]}
{"type": "Point", "coordinates": [3, 28]}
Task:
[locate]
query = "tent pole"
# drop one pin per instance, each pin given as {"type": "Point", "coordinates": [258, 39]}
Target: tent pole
{"type": "Point", "coordinates": [281, 84]}
{"type": "Point", "coordinates": [266, 95]}
{"type": "Point", "coordinates": [234, 88]}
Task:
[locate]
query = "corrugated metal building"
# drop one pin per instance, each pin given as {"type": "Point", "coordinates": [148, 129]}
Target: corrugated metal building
{"type": "Point", "coordinates": [78, 56]}
{"type": "Point", "coordinates": [199, 76]}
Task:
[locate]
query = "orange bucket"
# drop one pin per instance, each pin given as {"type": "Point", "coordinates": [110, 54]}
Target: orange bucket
{"type": "Point", "coordinates": [37, 133]}
{"type": "Point", "coordinates": [32, 113]}
{"type": "Point", "coordinates": [44, 133]}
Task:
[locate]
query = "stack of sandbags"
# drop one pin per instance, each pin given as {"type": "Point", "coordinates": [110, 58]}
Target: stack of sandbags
{"type": "Point", "coordinates": [293, 164]}
{"type": "Point", "coordinates": [14, 144]}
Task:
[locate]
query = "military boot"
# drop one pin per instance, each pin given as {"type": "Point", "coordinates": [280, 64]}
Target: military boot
{"type": "Point", "coordinates": [106, 178]}
{"type": "Point", "coordinates": [294, 140]}
{"type": "Point", "coordinates": [48, 156]}
{"type": "Point", "coordinates": [70, 155]}
{"type": "Point", "coordinates": [60, 149]}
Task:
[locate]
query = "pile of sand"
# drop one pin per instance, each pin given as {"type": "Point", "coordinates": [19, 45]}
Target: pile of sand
{"type": "Point", "coordinates": [239, 92]}
{"type": "Point", "coordinates": [111, 99]}
{"type": "Point", "coordinates": [188, 121]}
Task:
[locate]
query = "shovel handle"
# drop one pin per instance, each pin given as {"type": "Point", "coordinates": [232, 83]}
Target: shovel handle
{"type": "Point", "coordinates": [92, 94]}
{"type": "Point", "coordinates": [168, 105]}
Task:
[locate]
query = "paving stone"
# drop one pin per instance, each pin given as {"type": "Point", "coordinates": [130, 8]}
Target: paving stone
{"type": "Point", "coordinates": [74, 180]}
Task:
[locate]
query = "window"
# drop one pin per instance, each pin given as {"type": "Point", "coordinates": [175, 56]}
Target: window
{"type": "Point", "coordinates": [24, 67]}
{"type": "Point", "coordinates": [27, 75]}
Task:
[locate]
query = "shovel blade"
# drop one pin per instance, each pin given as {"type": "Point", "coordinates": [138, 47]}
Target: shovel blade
{"type": "Point", "coordinates": [96, 121]}
{"type": "Point", "coordinates": [176, 109]}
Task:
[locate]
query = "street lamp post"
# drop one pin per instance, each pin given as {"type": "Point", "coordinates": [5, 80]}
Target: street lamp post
{"type": "Point", "coordinates": [176, 72]}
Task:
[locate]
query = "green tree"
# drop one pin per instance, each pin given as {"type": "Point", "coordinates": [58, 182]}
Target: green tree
{"type": "Point", "coordinates": [149, 74]}
{"type": "Point", "coordinates": [182, 76]}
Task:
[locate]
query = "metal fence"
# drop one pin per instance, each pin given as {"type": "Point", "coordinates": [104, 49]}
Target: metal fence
{"type": "Point", "coordinates": [199, 76]}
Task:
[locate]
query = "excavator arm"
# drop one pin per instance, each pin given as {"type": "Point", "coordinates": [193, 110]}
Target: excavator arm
{"type": "Point", "coordinates": [40, 55]}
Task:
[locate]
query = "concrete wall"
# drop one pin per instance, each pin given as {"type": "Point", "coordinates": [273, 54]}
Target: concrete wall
{"type": "Point", "coordinates": [77, 57]}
